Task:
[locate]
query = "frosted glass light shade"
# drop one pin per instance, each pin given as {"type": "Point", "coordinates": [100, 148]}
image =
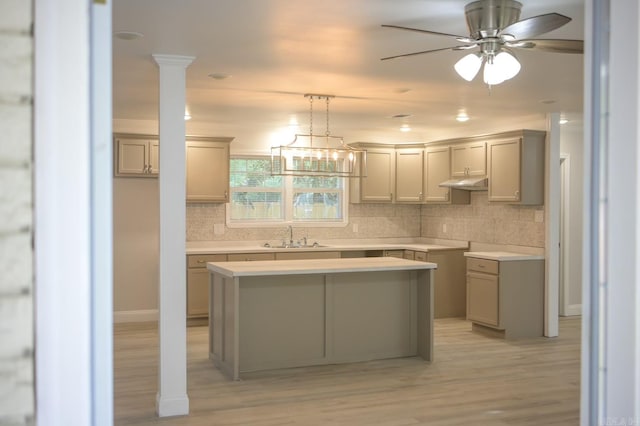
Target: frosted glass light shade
{"type": "Point", "coordinates": [468, 66]}
{"type": "Point", "coordinates": [492, 74]}
{"type": "Point", "coordinates": [507, 64]}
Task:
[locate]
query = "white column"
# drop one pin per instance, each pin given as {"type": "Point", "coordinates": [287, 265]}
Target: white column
{"type": "Point", "coordinates": [172, 399]}
{"type": "Point", "coordinates": [62, 212]}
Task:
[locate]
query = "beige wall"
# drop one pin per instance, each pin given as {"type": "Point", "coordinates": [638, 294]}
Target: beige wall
{"type": "Point", "coordinates": [135, 244]}
{"type": "Point", "coordinates": [16, 217]}
{"type": "Point", "coordinates": [482, 222]}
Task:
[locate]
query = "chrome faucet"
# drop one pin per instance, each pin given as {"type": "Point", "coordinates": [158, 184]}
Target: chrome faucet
{"type": "Point", "coordinates": [290, 229]}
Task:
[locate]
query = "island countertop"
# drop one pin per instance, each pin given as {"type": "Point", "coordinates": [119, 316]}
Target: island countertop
{"type": "Point", "coordinates": [315, 266]}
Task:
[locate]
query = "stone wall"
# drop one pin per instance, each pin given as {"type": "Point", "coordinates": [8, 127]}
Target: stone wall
{"type": "Point", "coordinates": [16, 217]}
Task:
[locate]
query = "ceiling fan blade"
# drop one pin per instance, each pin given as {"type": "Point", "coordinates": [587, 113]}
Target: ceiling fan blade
{"type": "Point", "coordinates": [534, 26]}
{"type": "Point", "coordinates": [556, 46]}
{"type": "Point", "coordinates": [462, 39]}
{"type": "Point", "coordinates": [428, 51]}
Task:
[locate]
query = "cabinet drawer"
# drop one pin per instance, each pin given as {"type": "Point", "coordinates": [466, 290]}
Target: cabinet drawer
{"type": "Point", "coordinates": [241, 257]}
{"type": "Point", "coordinates": [482, 265]}
{"type": "Point", "coordinates": [409, 254]}
{"type": "Point", "coordinates": [200, 260]}
{"type": "Point", "coordinates": [420, 256]}
{"type": "Point", "coordinates": [394, 253]}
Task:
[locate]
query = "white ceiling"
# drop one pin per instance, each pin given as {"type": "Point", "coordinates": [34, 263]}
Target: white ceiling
{"type": "Point", "coordinates": [278, 50]}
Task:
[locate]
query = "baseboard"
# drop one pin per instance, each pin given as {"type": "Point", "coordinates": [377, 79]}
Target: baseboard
{"type": "Point", "coordinates": [146, 315]}
{"type": "Point", "coordinates": [573, 310]}
{"type": "Point", "coordinates": [168, 407]}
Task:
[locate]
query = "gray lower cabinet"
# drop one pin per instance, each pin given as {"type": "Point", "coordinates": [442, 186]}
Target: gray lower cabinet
{"type": "Point", "coordinates": [449, 290]}
{"type": "Point", "coordinates": [506, 298]}
{"type": "Point", "coordinates": [198, 283]}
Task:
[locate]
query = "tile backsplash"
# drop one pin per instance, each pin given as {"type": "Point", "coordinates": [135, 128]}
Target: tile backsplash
{"type": "Point", "coordinates": [372, 221]}
{"type": "Point", "coordinates": [482, 222]}
{"type": "Point", "coordinates": [476, 222]}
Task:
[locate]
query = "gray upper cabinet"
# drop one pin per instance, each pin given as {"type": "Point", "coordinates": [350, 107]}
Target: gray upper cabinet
{"type": "Point", "coordinates": [516, 168]}
{"type": "Point", "coordinates": [378, 185]}
{"type": "Point", "coordinates": [437, 169]}
{"type": "Point", "coordinates": [207, 168]}
{"type": "Point", "coordinates": [468, 159]}
{"type": "Point", "coordinates": [136, 155]}
{"type": "Point", "coordinates": [409, 175]}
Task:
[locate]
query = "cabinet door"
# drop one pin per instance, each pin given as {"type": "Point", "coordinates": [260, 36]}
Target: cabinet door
{"type": "Point", "coordinates": [409, 177]}
{"type": "Point", "coordinates": [437, 170]}
{"type": "Point", "coordinates": [469, 159]}
{"type": "Point", "coordinates": [207, 168]}
{"type": "Point", "coordinates": [197, 292]}
{"type": "Point", "coordinates": [154, 157]}
{"type": "Point", "coordinates": [483, 298]}
{"type": "Point", "coordinates": [132, 156]}
{"type": "Point", "coordinates": [504, 170]}
{"type": "Point", "coordinates": [378, 185]}
{"type": "Point", "coordinates": [459, 160]}
{"type": "Point", "coordinates": [477, 159]}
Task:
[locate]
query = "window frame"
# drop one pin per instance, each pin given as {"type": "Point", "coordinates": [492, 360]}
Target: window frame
{"type": "Point", "coordinates": [288, 190]}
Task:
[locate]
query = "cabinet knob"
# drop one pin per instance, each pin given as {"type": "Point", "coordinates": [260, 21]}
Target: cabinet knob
{"type": "Point", "coordinates": [517, 193]}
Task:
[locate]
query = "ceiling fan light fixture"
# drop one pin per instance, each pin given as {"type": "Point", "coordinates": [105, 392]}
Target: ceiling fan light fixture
{"type": "Point", "coordinates": [507, 64]}
{"type": "Point", "coordinates": [492, 75]}
{"type": "Point", "coordinates": [468, 66]}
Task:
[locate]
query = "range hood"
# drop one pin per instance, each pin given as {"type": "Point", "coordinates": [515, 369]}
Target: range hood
{"type": "Point", "coordinates": [479, 183]}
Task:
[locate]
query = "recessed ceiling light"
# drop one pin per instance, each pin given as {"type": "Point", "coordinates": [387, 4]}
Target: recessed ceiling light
{"type": "Point", "coordinates": [401, 116]}
{"type": "Point", "coordinates": [548, 101]}
{"type": "Point", "coordinates": [219, 75]}
{"type": "Point", "coordinates": [127, 35]}
{"type": "Point", "coordinates": [402, 90]}
{"type": "Point", "coordinates": [462, 117]}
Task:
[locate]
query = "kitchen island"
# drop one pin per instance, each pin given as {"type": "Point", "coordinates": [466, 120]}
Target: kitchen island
{"type": "Point", "coordinates": [292, 313]}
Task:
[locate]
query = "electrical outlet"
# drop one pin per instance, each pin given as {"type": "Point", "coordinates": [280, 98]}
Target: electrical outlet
{"type": "Point", "coordinates": [539, 216]}
{"type": "Point", "coordinates": [354, 227]}
{"type": "Point", "coordinates": [444, 228]}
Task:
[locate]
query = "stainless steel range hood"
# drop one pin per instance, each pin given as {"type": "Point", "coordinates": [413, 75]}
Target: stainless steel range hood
{"type": "Point", "coordinates": [479, 183]}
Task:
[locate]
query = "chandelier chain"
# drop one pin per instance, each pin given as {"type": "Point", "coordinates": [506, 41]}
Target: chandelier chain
{"type": "Point", "coordinates": [327, 131]}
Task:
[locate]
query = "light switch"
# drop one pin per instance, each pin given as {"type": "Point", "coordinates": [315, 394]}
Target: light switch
{"type": "Point", "coordinates": [444, 228]}
{"type": "Point", "coordinates": [218, 228]}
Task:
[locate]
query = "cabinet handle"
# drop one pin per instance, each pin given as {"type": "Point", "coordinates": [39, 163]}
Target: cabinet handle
{"type": "Point", "coordinates": [446, 195]}
{"type": "Point", "coordinates": [226, 194]}
{"type": "Point", "coordinates": [517, 193]}
{"type": "Point", "coordinates": [150, 169]}
{"type": "Point", "coordinates": [201, 261]}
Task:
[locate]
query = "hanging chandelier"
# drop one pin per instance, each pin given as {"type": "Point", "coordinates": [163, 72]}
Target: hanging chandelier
{"type": "Point", "coordinates": [323, 155]}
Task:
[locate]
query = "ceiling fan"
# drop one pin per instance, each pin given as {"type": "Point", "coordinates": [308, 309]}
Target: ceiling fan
{"type": "Point", "coordinates": [495, 28]}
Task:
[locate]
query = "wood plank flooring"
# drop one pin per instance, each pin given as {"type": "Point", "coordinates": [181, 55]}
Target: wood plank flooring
{"type": "Point", "coordinates": [474, 380]}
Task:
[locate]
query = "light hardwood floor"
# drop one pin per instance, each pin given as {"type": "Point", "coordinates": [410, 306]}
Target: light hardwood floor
{"type": "Point", "coordinates": [474, 380]}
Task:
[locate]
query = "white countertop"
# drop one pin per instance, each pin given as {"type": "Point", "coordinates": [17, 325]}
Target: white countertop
{"type": "Point", "coordinates": [315, 266]}
{"type": "Point", "coordinates": [224, 247]}
{"type": "Point", "coordinates": [502, 256]}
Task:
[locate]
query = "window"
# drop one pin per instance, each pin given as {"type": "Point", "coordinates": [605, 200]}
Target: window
{"type": "Point", "coordinates": [259, 198]}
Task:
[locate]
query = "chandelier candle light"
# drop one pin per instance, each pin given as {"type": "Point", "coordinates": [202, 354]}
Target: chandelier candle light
{"type": "Point", "coordinates": [316, 154]}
